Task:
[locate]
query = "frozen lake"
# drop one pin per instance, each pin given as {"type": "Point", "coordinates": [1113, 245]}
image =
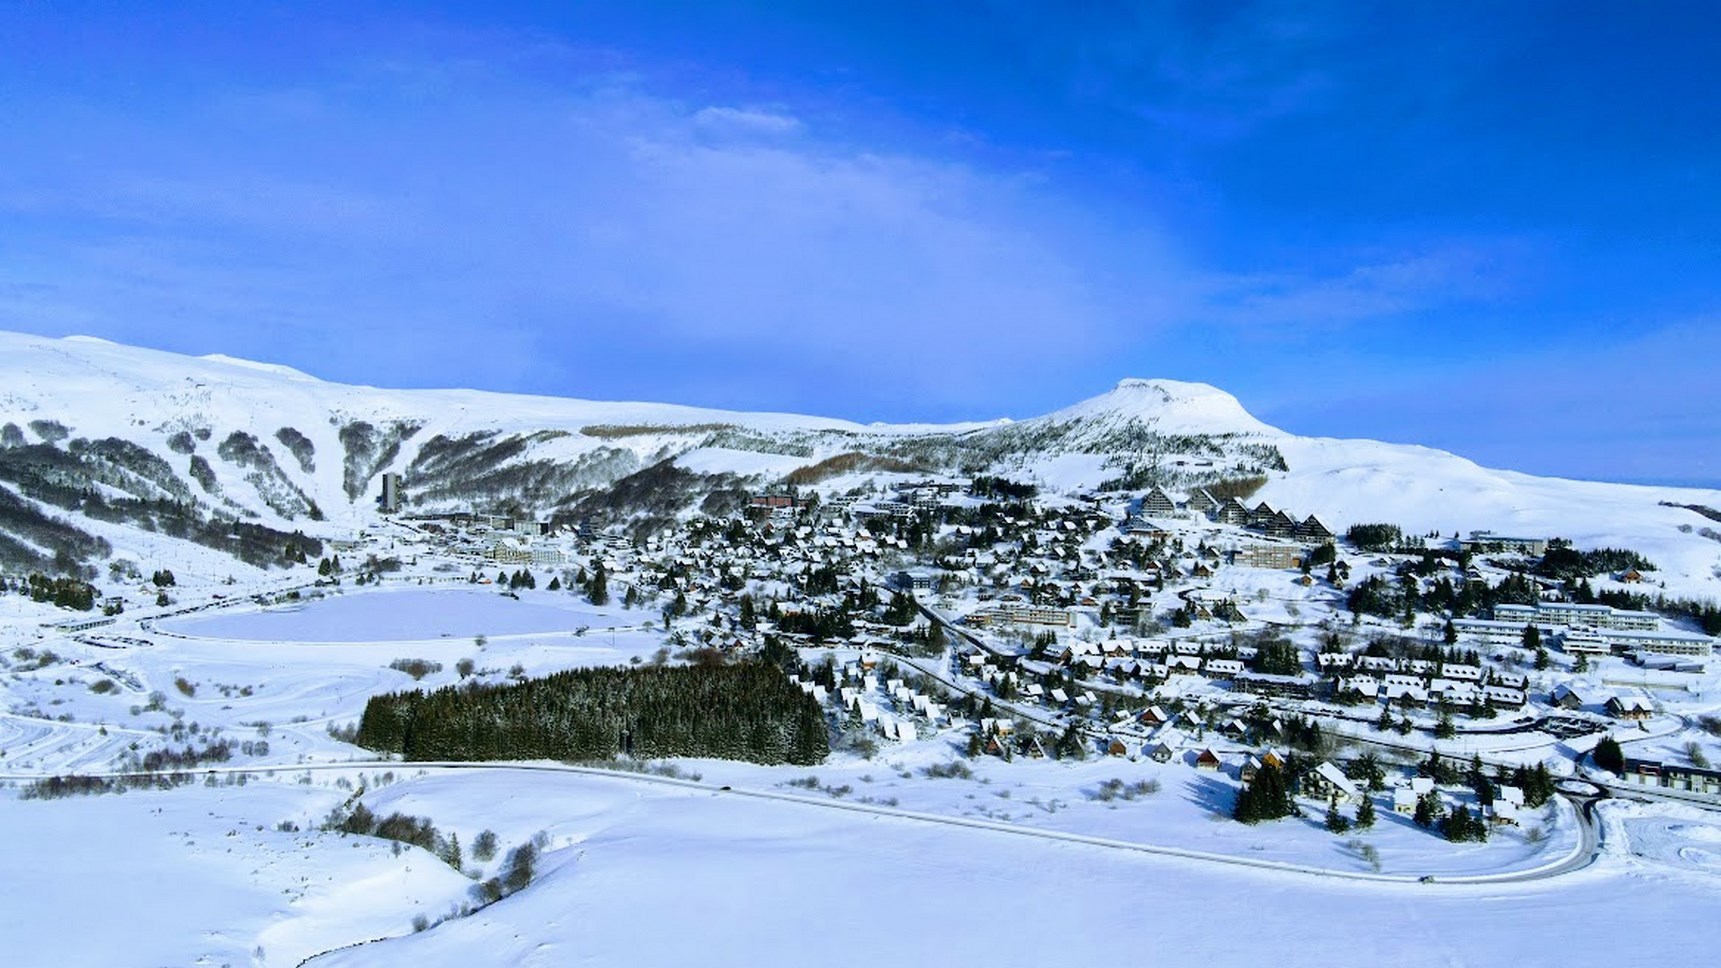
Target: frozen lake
{"type": "Point", "coordinates": [399, 616]}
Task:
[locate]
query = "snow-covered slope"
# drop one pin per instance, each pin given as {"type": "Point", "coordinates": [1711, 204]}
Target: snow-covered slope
{"type": "Point", "coordinates": [267, 444]}
{"type": "Point", "coordinates": [1166, 406]}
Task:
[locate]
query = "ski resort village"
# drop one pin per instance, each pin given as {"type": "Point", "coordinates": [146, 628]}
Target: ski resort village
{"type": "Point", "coordinates": [297, 673]}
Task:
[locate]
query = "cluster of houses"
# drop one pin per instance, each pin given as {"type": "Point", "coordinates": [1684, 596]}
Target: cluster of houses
{"type": "Point", "coordinates": [1619, 706]}
{"type": "Point", "coordinates": [890, 706]}
{"type": "Point", "coordinates": [1421, 682]}
{"type": "Point", "coordinates": [1045, 567]}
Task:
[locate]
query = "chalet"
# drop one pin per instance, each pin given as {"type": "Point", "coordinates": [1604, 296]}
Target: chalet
{"type": "Point", "coordinates": [1511, 680]}
{"type": "Point", "coordinates": [1404, 800]}
{"type": "Point", "coordinates": [1503, 812]}
{"type": "Point", "coordinates": [1566, 697]}
{"type": "Point", "coordinates": [1154, 716]}
{"type": "Point", "coordinates": [1467, 673]}
{"type": "Point", "coordinates": [1505, 696]}
{"type": "Point", "coordinates": [1183, 663]}
{"type": "Point", "coordinates": [1405, 695]}
{"type": "Point", "coordinates": [1325, 781]}
{"type": "Point", "coordinates": [1208, 760]}
{"type": "Point", "coordinates": [1334, 660]}
{"type": "Point", "coordinates": [1360, 687]}
{"type": "Point", "coordinates": [1631, 576]}
{"type": "Point", "coordinates": [1635, 708]}
{"type": "Point", "coordinates": [1221, 668]}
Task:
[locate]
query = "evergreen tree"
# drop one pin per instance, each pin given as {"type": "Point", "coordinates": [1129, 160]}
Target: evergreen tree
{"type": "Point", "coordinates": [1069, 745]}
{"type": "Point", "coordinates": [1609, 756]}
{"type": "Point", "coordinates": [1428, 810]}
{"type": "Point", "coordinates": [1463, 826]}
{"type": "Point", "coordinates": [598, 591]}
{"type": "Point", "coordinates": [1267, 797]}
{"type": "Point", "coordinates": [1365, 813]}
{"type": "Point", "coordinates": [451, 852]}
{"type": "Point", "coordinates": [1336, 821]}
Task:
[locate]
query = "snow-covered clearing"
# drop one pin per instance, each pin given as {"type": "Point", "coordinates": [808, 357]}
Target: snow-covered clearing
{"type": "Point", "coordinates": [404, 615]}
{"type": "Point", "coordinates": [744, 881]}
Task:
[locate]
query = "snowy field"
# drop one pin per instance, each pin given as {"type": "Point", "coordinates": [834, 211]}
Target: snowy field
{"type": "Point", "coordinates": [405, 615]}
{"type": "Point", "coordinates": [851, 862]}
{"type": "Point", "coordinates": [638, 872]}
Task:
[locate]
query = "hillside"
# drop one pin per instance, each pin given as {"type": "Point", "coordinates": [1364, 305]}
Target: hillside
{"type": "Point", "coordinates": [103, 444]}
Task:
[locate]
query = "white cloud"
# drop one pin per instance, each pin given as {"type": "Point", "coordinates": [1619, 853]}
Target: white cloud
{"type": "Point", "coordinates": [585, 225]}
{"type": "Point", "coordinates": [728, 120]}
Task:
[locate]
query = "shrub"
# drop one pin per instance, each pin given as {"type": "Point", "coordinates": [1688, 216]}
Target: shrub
{"type": "Point", "coordinates": [953, 770]}
{"type": "Point", "coordinates": [416, 668]}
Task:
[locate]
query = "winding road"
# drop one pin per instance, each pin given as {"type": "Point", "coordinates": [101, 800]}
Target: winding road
{"type": "Point", "coordinates": [1585, 854]}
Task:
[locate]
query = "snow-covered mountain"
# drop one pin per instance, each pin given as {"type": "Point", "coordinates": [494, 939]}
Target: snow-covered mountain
{"type": "Point", "coordinates": [102, 440]}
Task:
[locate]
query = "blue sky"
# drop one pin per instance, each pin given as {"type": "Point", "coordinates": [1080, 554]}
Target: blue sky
{"type": "Point", "coordinates": [1491, 228]}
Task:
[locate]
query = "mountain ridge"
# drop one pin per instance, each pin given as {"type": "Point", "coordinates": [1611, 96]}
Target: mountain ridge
{"type": "Point", "coordinates": [90, 428]}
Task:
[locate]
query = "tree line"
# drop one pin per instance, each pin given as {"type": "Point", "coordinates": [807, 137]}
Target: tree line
{"type": "Point", "coordinates": [750, 711]}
